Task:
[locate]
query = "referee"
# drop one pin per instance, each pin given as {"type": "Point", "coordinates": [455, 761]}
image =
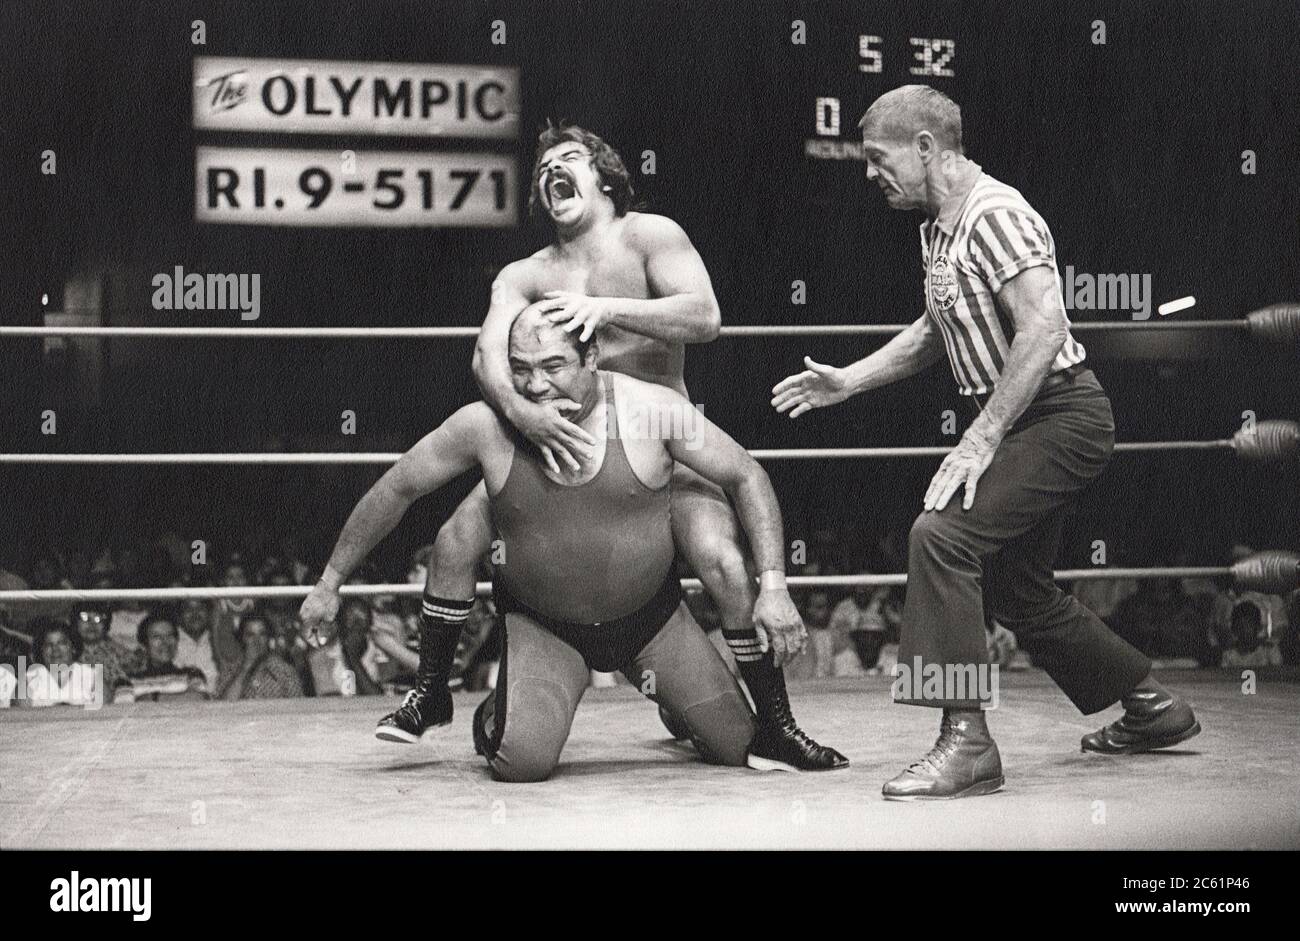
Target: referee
{"type": "Point", "coordinates": [1042, 430]}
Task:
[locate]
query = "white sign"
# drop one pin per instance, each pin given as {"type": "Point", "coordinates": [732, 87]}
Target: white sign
{"type": "Point", "coordinates": [322, 97]}
{"type": "Point", "coordinates": [255, 186]}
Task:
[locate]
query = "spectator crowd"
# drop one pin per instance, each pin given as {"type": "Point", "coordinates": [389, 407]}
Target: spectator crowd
{"type": "Point", "coordinates": [240, 648]}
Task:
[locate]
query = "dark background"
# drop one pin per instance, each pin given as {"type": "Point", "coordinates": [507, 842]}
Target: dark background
{"type": "Point", "coordinates": [1131, 151]}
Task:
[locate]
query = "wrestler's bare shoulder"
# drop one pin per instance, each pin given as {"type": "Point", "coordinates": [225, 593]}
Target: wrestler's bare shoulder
{"type": "Point", "coordinates": [479, 423]}
{"type": "Point", "coordinates": [526, 272]}
{"type": "Point", "coordinates": [629, 389]}
{"type": "Point", "coordinates": [648, 231]}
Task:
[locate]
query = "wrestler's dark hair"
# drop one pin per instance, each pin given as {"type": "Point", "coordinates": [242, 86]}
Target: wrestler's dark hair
{"type": "Point", "coordinates": [43, 627]}
{"type": "Point", "coordinates": [605, 159]}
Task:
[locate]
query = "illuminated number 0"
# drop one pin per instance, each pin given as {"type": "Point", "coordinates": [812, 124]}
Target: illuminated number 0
{"type": "Point", "coordinates": [828, 117]}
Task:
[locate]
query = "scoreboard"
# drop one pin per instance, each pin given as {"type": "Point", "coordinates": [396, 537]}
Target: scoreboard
{"type": "Point", "coordinates": [928, 60]}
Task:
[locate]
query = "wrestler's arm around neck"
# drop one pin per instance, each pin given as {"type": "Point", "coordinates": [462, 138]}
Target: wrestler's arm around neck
{"type": "Point", "coordinates": [491, 352]}
{"type": "Point", "coordinates": [544, 425]}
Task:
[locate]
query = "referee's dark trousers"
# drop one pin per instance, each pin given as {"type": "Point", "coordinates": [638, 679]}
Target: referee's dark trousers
{"type": "Point", "coordinates": [998, 556]}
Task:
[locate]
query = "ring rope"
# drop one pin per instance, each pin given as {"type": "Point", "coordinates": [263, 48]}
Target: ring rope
{"type": "Point", "coordinates": [1268, 440]}
{"type": "Point", "coordinates": [383, 457]}
{"type": "Point", "coordinates": [1272, 571]}
{"type": "Point", "coordinates": [1277, 323]}
{"type": "Point", "coordinates": [459, 333]}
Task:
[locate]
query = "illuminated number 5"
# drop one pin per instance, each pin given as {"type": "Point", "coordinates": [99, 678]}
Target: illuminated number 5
{"type": "Point", "coordinates": [470, 177]}
{"type": "Point", "coordinates": [875, 58]}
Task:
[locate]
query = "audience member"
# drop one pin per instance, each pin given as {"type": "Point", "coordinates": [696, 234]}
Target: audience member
{"type": "Point", "coordinates": [162, 678]}
{"type": "Point", "coordinates": [335, 669]}
{"type": "Point", "coordinates": [260, 673]}
{"type": "Point", "coordinates": [821, 639]}
{"type": "Point", "coordinates": [91, 621]}
{"type": "Point", "coordinates": [56, 677]}
{"type": "Point", "coordinates": [861, 625]}
{"type": "Point", "coordinates": [195, 645]}
{"type": "Point", "coordinates": [1249, 648]}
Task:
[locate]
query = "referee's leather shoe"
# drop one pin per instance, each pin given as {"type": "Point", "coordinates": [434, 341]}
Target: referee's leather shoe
{"type": "Point", "coordinates": [426, 707]}
{"type": "Point", "coordinates": [780, 745]}
{"type": "Point", "coordinates": [964, 762]}
{"type": "Point", "coordinates": [1151, 720]}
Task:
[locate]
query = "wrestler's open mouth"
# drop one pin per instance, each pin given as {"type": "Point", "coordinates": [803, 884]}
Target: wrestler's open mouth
{"type": "Point", "coordinates": [560, 189]}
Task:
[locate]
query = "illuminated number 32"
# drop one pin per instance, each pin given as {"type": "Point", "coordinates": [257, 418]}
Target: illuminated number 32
{"type": "Point", "coordinates": [931, 55]}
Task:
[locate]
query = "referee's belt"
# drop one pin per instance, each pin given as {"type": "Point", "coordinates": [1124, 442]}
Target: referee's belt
{"type": "Point", "coordinates": [1052, 381]}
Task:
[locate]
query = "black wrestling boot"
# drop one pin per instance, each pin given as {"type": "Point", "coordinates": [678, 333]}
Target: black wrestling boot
{"type": "Point", "coordinates": [964, 762]}
{"type": "Point", "coordinates": [779, 744]}
{"type": "Point", "coordinates": [426, 707]}
{"type": "Point", "coordinates": [429, 706]}
{"type": "Point", "coordinates": [1152, 719]}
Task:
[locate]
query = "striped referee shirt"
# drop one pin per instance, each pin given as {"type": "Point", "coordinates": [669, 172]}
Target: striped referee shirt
{"type": "Point", "coordinates": [994, 237]}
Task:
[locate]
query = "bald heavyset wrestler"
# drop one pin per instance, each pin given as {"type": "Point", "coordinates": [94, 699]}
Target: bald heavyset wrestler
{"type": "Point", "coordinates": [588, 580]}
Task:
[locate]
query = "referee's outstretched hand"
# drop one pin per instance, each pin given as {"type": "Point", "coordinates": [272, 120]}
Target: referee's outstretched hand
{"type": "Point", "coordinates": [816, 387]}
{"type": "Point", "coordinates": [962, 467]}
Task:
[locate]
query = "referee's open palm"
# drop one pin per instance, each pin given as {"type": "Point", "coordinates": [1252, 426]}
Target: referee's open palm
{"type": "Point", "coordinates": [963, 467]}
{"type": "Point", "coordinates": [816, 387]}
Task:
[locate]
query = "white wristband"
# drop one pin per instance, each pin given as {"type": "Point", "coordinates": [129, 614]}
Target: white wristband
{"type": "Point", "coordinates": [331, 579]}
{"type": "Point", "coordinates": [771, 580]}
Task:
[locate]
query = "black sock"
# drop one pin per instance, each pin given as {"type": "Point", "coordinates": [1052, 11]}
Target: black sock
{"type": "Point", "coordinates": [441, 621]}
{"type": "Point", "coordinates": [765, 681]}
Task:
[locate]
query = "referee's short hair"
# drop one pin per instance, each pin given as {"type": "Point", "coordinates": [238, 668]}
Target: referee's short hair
{"type": "Point", "coordinates": [909, 109]}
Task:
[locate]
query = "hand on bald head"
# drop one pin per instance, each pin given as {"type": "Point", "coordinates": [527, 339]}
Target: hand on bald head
{"type": "Point", "coordinates": [532, 332]}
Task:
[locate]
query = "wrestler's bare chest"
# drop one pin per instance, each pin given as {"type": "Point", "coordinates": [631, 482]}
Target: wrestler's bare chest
{"type": "Point", "coordinates": [617, 270]}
